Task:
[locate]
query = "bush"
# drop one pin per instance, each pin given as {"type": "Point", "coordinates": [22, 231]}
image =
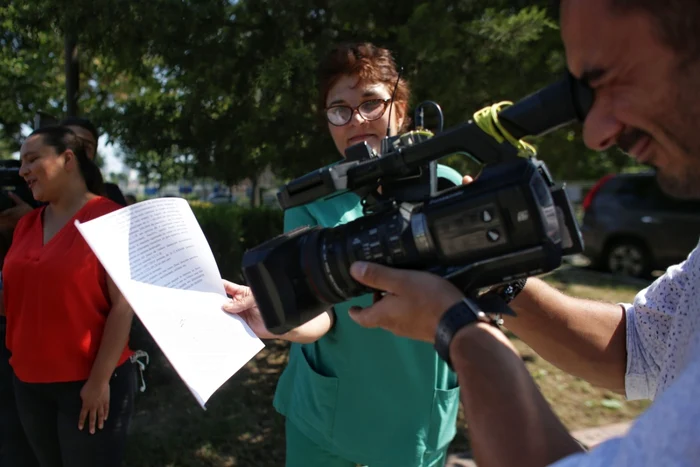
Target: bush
{"type": "Point", "coordinates": [232, 229]}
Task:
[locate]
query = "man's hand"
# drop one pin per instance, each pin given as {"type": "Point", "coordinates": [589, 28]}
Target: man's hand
{"type": "Point", "coordinates": [11, 216]}
{"type": "Point", "coordinates": [243, 304]}
{"type": "Point", "coordinates": [413, 305]}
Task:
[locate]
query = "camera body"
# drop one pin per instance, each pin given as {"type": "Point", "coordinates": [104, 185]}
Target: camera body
{"type": "Point", "coordinates": [11, 181]}
{"type": "Point", "coordinates": [513, 222]}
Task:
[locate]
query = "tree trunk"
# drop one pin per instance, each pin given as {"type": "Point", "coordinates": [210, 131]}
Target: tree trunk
{"type": "Point", "coordinates": [72, 74]}
{"type": "Point", "coordinates": [254, 195]}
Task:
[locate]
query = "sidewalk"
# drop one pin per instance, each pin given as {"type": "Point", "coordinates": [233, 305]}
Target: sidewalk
{"type": "Point", "coordinates": [589, 437]}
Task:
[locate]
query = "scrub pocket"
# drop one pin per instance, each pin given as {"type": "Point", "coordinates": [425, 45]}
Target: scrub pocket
{"type": "Point", "coordinates": [443, 419]}
{"type": "Point", "coordinates": [314, 397]}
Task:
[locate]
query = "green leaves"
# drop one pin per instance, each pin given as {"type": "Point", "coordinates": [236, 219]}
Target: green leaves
{"type": "Point", "coordinates": [230, 86]}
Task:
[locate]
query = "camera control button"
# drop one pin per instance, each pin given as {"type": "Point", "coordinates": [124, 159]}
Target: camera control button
{"type": "Point", "coordinates": [493, 235]}
{"type": "Point", "coordinates": [486, 216]}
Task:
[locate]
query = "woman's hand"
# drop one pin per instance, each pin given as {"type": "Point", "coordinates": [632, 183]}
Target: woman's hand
{"type": "Point", "coordinates": [95, 409]}
{"type": "Point", "coordinates": [243, 304]}
{"type": "Point", "coordinates": [11, 216]}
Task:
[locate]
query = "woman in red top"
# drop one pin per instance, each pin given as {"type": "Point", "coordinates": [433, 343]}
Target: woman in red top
{"type": "Point", "coordinates": [67, 323]}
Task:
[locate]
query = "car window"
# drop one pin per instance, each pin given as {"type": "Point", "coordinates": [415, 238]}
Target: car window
{"type": "Point", "coordinates": [644, 193]}
{"type": "Point", "coordinates": [634, 192]}
{"type": "Point", "coordinates": [661, 201]}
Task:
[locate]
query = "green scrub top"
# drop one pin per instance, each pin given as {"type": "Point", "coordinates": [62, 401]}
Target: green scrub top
{"type": "Point", "coordinates": [366, 394]}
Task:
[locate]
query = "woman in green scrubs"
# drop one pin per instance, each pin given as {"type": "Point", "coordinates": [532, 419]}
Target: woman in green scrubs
{"type": "Point", "coordinates": [352, 395]}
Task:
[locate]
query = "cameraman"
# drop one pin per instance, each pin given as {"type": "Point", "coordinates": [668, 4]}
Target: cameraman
{"type": "Point", "coordinates": [642, 58]}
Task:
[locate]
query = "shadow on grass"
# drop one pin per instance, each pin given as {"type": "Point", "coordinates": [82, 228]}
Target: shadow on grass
{"type": "Point", "coordinates": [594, 278]}
{"type": "Point", "coordinates": [239, 428]}
{"type": "Point", "coordinates": [594, 285]}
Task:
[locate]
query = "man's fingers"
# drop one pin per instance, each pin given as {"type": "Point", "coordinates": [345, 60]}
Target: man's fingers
{"type": "Point", "coordinates": [382, 277]}
{"type": "Point", "coordinates": [364, 318]}
{"type": "Point", "coordinates": [376, 315]}
{"type": "Point", "coordinates": [467, 179]}
{"type": "Point", "coordinates": [19, 201]}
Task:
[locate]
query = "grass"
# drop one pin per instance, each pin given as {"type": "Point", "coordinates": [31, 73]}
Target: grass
{"type": "Point", "coordinates": [241, 428]}
{"type": "Point", "coordinates": [577, 403]}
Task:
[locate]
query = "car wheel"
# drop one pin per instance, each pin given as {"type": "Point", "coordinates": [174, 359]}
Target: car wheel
{"type": "Point", "coordinates": [627, 258]}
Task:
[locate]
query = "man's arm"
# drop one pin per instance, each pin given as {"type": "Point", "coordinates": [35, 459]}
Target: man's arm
{"type": "Point", "coordinates": [582, 337]}
{"type": "Point", "coordinates": [510, 423]}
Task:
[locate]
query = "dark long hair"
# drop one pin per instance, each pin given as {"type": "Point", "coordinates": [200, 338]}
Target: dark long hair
{"type": "Point", "coordinates": [61, 139]}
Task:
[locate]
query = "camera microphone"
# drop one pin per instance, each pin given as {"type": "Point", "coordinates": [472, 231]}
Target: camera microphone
{"type": "Point", "coordinates": [391, 104]}
{"type": "Point", "coordinates": [386, 141]}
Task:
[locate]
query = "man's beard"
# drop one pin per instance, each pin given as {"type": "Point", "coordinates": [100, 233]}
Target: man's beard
{"type": "Point", "coordinates": [682, 185]}
{"type": "Point", "coordinates": [680, 125]}
{"type": "Point", "coordinates": [683, 182]}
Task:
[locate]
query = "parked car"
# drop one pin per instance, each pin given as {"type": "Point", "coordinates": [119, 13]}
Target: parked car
{"type": "Point", "coordinates": [631, 227]}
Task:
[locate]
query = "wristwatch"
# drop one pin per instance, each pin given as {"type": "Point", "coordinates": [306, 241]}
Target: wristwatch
{"type": "Point", "coordinates": [469, 310]}
{"type": "Point", "coordinates": [459, 315]}
{"type": "Point", "coordinates": [508, 291]}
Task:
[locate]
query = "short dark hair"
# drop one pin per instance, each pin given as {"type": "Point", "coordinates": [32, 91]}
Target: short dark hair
{"type": "Point", "coordinates": [678, 21]}
{"type": "Point", "coordinates": [83, 123]}
{"type": "Point", "coordinates": [62, 138]}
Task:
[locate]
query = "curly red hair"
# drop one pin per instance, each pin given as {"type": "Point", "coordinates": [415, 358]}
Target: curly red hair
{"type": "Point", "coordinates": [370, 63]}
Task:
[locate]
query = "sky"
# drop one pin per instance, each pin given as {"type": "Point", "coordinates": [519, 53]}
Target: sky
{"type": "Point", "coordinates": [112, 162]}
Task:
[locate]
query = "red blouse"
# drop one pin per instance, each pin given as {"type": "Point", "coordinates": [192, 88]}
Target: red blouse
{"type": "Point", "coordinates": [56, 299]}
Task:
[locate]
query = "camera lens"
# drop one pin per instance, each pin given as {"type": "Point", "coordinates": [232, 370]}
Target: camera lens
{"type": "Point", "coordinates": [326, 261]}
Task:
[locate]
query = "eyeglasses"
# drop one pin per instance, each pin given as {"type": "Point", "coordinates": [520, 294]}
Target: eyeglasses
{"type": "Point", "coordinates": [339, 115]}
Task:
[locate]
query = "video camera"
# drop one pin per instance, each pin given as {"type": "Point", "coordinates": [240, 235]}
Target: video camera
{"type": "Point", "coordinates": [512, 222]}
{"type": "Point", "coordinates": [10, 180]}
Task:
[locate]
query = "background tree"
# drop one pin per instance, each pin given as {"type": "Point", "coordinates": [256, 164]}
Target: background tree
{"type": "Point", "coordinates": [230, 87]}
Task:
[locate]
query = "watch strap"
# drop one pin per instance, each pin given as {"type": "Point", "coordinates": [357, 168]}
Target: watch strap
{"type": "Point", "coordinates": [456, 317]}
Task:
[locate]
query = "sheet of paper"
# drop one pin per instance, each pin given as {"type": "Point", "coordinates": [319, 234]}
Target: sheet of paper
{"type": "Point", "coordinates": [157, 255]}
